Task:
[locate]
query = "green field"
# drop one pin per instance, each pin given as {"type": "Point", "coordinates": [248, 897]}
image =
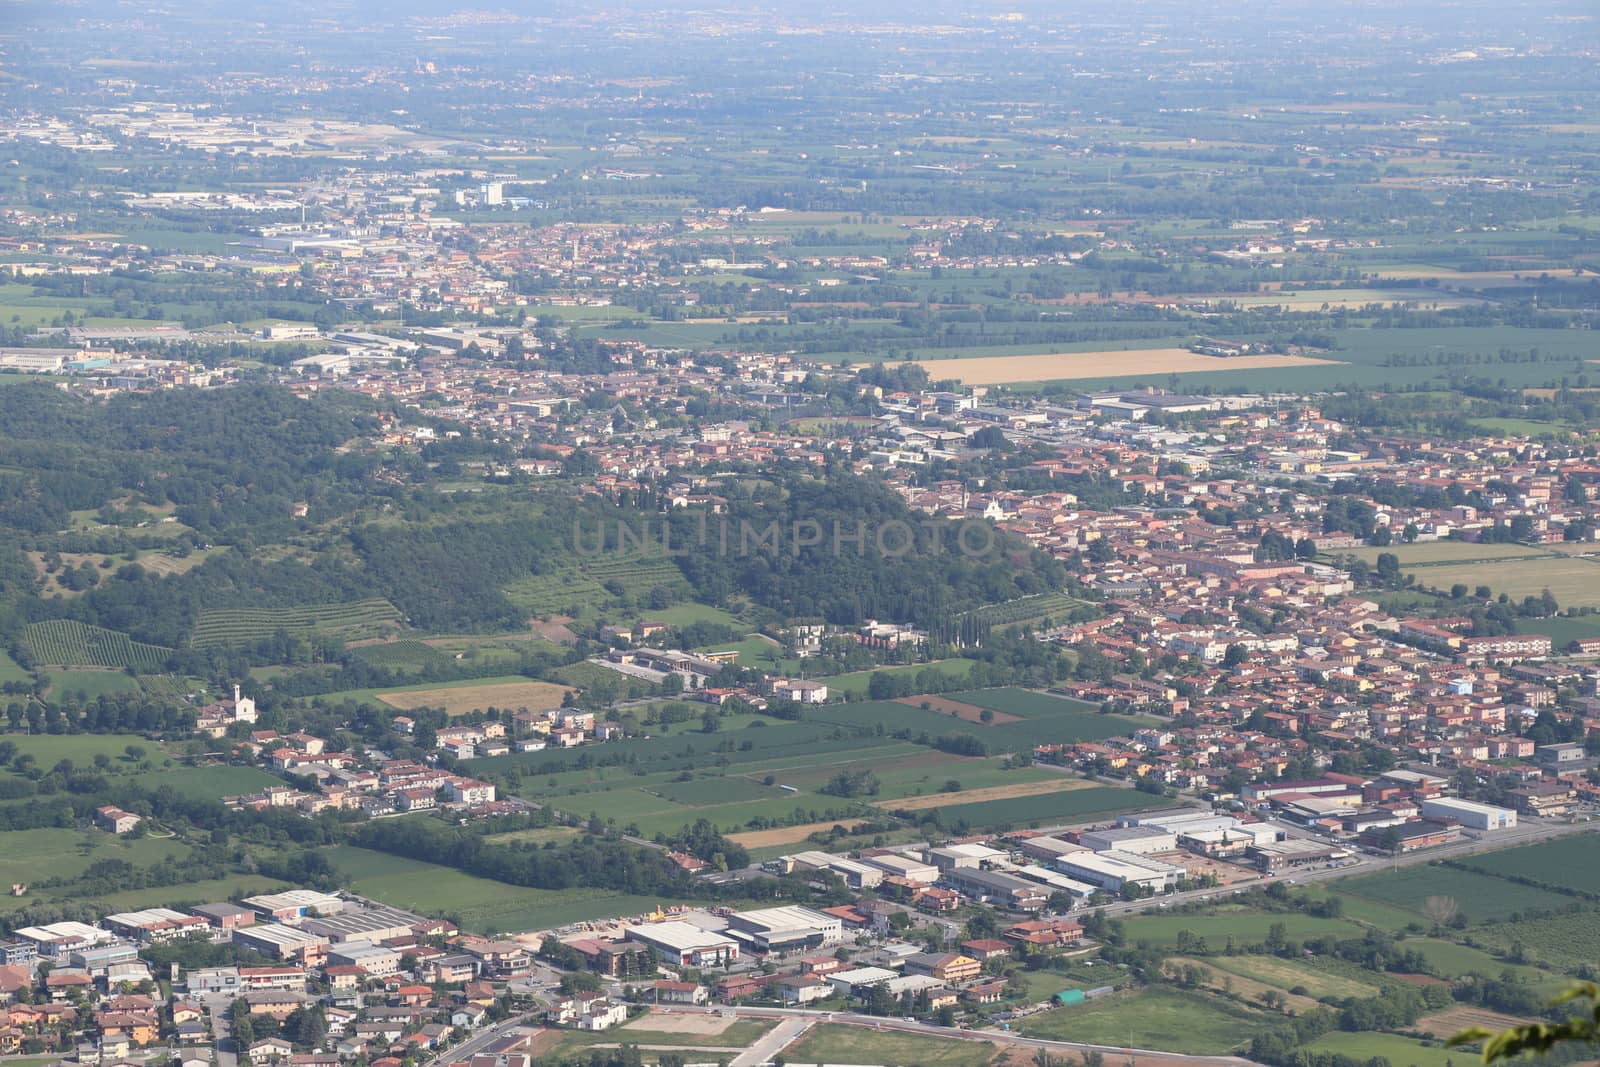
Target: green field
{"type": "Point", "coordinates": [1478, 896]}
{"type": "Point", "coordinates": [11, 670]}
{"type": "Point", "coordinates": [479, 904]}
{"type": "Point", "coordinates": [210, 783]}
{"type": "Point", "coordinates": [238, 626]}
{"type": "Point", "coordinates": [836, 1043]}
{"type": "Point", "coordinates": [1443, 552]}
{"type": "Point", "coordinates": [1565, 942]}
{"type": "Point", "coordinates": [1574, 581]}
{"type": "Point", "coordinates": [1292, 974]}
{"type": "Point", "coordinates": [1397, 1050]}
{"type": "Point", "coordinates": [210, 891]}
{"type": "Point", "coordinates": [1155, 1017]}
{"type": "Point", "coordinates": [1043, 719]}
{"type": "Point", "coordinates": [740, 1034]}
{"type": "Point", "coordinates": [855, 684]}
{"type": "Point", "coordinates": [91, 683]}
{"type": "Point", "coordinates": [64, 642]}
{"type": "Point", "coordinates": [35, 855]}
{"type": "Point", "coordinates": [1452, 960]}
{"type": "Point", "coordinates": [81, 749]}
{"type": "Point", "coordinates": [1571, 863]}
{"type": "Point", "coordinates": [1075, 805]}
{"type": "Point", "coordinates": [1242, 926]}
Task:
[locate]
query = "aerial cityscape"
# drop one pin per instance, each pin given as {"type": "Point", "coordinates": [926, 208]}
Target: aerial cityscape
{"type": "Point", "coordinates": [900, 535]}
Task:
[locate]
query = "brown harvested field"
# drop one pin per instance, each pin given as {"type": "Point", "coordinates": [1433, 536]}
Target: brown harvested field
{"type": "Point", "coordinates": [157, 563]}
{"type": "Point", "coordinates": [992, 792]}
{"type": "Point", "coordinates": [1057, 366]}
{"type": "Point", "coordinates": [1446, 1024]}
{"type": "Point", "coordinates": [661, 1022]}
{"type": "Point", "coordinates": [969, 712]}
{"type": "Point", "coordinates": [464, 699]}
{"type": "Point", "coordinates": [789, 835]}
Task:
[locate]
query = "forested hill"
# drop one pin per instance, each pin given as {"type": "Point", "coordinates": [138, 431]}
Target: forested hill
{"type": "Point", "coordinates": [85, 484]}
{"type": "Point", "coordinates": [234, 461]}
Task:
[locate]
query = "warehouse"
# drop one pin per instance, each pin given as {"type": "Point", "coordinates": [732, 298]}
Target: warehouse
{"type": "Point", "coordinates": [856, 875]}
{"type": "Point", "coordinates": [853, 981]}
{"type": "Point", "coordinates": [366, 924]}
{"type": "Point", "coordinates": [376, 960]}
{"type": "Point", "coordinates": [785, 929]}
{"type": "Point", "coordinates": [904, 867]}
{"type": "Point", "coordinates": [1047, 848]}
{"type": "Point", "coordinates": [1167, 818]}
{"type": "Point", "coordinates": [1004, 889]}
{"type": "Point", "coordinates": [1139, 840]}
{"type": "Point", "coordinates": [1295, 852]}
{"type": "Point", "coordinates": [293, 904]}
{"type": "Point", "coordinates": [1055, 881]}
{"type": "Point", "coordinates": [950, 857]}
{"type": "Point", "coordinates": [681, 945]}
{"type": "Point", "coordinates": [1113, 870]}
{"type": "Point", "coordinates": [1469, 814]}
{"type": "Point", "coordinates": [283, 942]}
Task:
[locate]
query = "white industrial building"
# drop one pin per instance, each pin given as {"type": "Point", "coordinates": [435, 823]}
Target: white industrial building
{"type": "Point", "coordinates": [784, 929]}
{"type": "Point", "coordinates": [681, 944]}
{"type": "Point", "coordinates": [1140, 840]}
{"type": "Point", "coordinates": [856, 875]}
{"type": "Point", "coordinates": [1056, 881]}
{"type": "Point", "coordinates": [952, 857]}
{"type": "Point", "coordinates": [1113, 870]}
{"type": "Point", "coordinates": [904, 867]}
{"type": "Point", "coordinates": [1166, 818]}
{"type": "Point", "coordinates": [1469, 813]}
{"type": "Point", "coordinates": [858, 978]}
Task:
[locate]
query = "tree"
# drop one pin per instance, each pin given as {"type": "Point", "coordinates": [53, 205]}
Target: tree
{"type": "Point", "coordinates": [1583, 1028]}
{"type": "Point", "coordinates": [1440, 910]}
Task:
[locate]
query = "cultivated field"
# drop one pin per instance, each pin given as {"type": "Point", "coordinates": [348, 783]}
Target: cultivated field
{"type": "Point", "coordinates": [1059, 366]}
{"type": "Point", "coordinates": [480, 904]}
{"type": "Point", "coordinates": [968, 712]}
{"type": "Point", "coordinates": [1443, 552]}
{"type": "Point", "coordinates": [789, 835]}
{"type": "Point", "coordinates": [464, 699]}
{"type": "Point", "coordinates": [996, 792]}
{"type": "Point", "coordinates": [1155, 1017]}
{"type": "Point", "coordinates": [1574, 581]}
{"type": "Point", "coordinates": [239, 626]}
{"type": "Point", "coordinates": [63, 642]}
{"type": "Point", "coordinates": [1446, 1024]}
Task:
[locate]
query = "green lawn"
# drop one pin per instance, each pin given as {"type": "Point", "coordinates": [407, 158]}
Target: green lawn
{"type": "Point", "coordinates": [11, 670]}
{"type": "Point", "coordinates": [1155, 1017]}
{"type": "Point", "coordinates": [1243, 926]}
{"type": "Point", "coordinates": [210, 783]}
{"type": "Point", "coordinates": [479, 904]}
{"type": "Point", "coordinates": [81, 749]}
{"type": "Point", "coordinates": [91, 683]}
{"type": "Point", "coordinates": [1399, 1051]}
{"type": "Point", "coordinates": [210, 891]}
{"type": "Point", "coordinates": [36, 855]}
{"type": "Point", "coordinates": [835, 1043]}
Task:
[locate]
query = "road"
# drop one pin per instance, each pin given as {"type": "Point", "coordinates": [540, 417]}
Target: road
{"type": "Point", "coordinates": [810, 1017]}
{"type": "Point", "coordinates": [479, 1042]}
{"type": "Point", "coordinates": [217, 1005]}
{"type": "Point", "coordinates": [779, 1038]}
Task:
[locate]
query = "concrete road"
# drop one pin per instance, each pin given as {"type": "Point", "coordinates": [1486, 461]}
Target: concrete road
{"type": "Point", "coordinates": [777, 1039]}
